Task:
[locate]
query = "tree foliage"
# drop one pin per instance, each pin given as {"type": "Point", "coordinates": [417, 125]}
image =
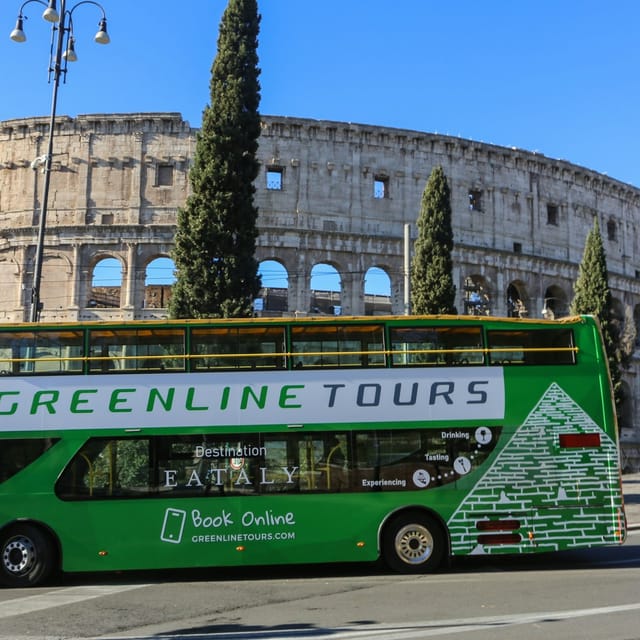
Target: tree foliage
{"type": "Point", "coordinates": [432, 288]}
{"type": "Point", "coordinates": [214, 254]}
{"type": "Point", "coordinates": [593, 296]}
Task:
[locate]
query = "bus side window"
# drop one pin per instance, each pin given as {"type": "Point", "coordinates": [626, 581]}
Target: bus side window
{"type": "Point", "coordinates": [323, 459]}
{"type": "Point", "coordinates": [217, 466]}
{"type": "Point", "coordinates": [531, 346]}
{"type": "Point", "coordinates": [246, 347]}
{"type": "Point", "coordinates": [41, 352]}
{"type": "Point", "coordinates": [148, 350]}
{"type": "Point", "coordinates": [18, 453]}
{"type": "Point", "coordinates": [387, 460]}
{"type": "Point", "coordinates": [14, 347]}
{"type": "Point", "coordinates": [334, 468]}
{"type": "Point", "coordinates": [423, 346]}
{"type": "Point", "coordinates": [338, 345]}
{"type": "Point", "coordinates": [107, 468]}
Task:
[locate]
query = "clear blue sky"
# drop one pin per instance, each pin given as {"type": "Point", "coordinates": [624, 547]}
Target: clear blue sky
{"type": "Point", "coordinates": [560, 77]}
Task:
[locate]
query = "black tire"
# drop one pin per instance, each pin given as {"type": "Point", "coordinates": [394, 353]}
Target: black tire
{"type": "Point", "coordinates": [27, 556]}
{"type": "Point", "coordinates": [413, 543]}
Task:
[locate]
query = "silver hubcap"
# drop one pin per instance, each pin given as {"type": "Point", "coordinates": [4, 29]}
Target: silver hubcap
{"type": "Point", "coordinates": [414, 544]}
{"type": "Point", "coordinates": [19, 555]}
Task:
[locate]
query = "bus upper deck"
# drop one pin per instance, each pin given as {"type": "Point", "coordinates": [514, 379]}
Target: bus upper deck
{"type": "Point", "coordinates": [259, 344]}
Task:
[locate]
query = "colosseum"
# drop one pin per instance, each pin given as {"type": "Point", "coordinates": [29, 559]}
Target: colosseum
{"type": "Point", "coordinates": [339, 195]}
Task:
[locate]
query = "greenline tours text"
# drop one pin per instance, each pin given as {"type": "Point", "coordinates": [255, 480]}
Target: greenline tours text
{"type": "Point", "coordinates": [193, 399]}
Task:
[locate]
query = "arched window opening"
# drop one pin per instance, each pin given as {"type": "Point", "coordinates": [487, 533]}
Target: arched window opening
{"type": "Point", "coordinates": [377, 292]}
{"type": "Point", "coordinates": [159, 278]}
{"type": "Point", "coordinates": [477, 299]}
{"type": "Point", "coordinates": [273, 299]}
{"type": "Point", "coordinates": [626, 412]}
{"type": "Point", "coordinates": [106, 284]}
{"type": "Point", "coordinates": [517, 301]}
{"type": "Point", "coordinates": [326, 290]}
{"type": "Point", "coordinates": [555, 304]}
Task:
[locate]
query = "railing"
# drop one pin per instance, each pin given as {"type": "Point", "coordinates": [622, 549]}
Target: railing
{"type": "Point", "coordinates": [176, 362]}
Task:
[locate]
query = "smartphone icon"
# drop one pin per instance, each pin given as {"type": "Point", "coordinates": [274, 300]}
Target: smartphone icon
{"type": "Point", "coordinates": [173, 525]}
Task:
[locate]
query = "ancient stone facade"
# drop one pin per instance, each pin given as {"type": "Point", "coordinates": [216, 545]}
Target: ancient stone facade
{"type": "Point", "coordinates": [334, 193]}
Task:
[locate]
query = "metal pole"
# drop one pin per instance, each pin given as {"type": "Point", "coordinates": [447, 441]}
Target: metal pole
{"type": "Point", "coordinates": [407, 262]}
{"type": "Point", "coordinates": [37, 272]}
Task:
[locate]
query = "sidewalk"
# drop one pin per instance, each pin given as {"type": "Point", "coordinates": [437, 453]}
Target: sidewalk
{"type": "Point", "coordinates": [631, 490]}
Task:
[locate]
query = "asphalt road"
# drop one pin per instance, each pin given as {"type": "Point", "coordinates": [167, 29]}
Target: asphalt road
{"type": "Point", "coordinates": [579, 594]}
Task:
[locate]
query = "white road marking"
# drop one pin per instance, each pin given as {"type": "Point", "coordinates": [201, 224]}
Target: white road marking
{"type": "Point", "coordinates": [430, 629]}
{"type": "Point", "coordinates": [60, 597]}
{"type": "Point", "coordinates": [444, 627]}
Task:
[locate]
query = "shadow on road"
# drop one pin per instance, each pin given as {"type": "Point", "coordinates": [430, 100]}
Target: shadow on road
{"type": "Point", "coordinates": [627, 555]}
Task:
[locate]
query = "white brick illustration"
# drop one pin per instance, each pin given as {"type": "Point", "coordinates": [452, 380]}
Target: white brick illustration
{"type": "Point", "coordinates": [559, 496]}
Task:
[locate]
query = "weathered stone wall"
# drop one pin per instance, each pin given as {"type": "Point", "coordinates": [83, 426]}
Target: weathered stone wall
{"type": "Point", "coordinates": [343, 195]}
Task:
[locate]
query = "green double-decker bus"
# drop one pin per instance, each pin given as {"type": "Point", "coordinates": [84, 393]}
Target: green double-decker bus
{"type": "Point", "coordinates": [173, 444]}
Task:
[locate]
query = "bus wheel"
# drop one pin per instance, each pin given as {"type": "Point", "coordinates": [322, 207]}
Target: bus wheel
{"type": "Point", "coordinates": [27, 556]}
{"type": "Point", "coordinates": [413, 543]}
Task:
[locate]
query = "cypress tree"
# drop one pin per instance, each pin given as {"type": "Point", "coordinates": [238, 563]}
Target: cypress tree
{"type": "Point", "coordinates": [432, 288]}
{"type": "Point", "coordinates": [593, 296]}
{"type": "Point", "coordinates": [214, 254]}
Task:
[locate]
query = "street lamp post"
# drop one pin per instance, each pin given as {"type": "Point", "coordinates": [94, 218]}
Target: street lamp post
{"type": "Point", "coordinates": [62, 53]}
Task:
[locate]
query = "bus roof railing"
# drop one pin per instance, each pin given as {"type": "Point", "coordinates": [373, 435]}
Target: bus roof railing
{"type": "Point", "coordinates": [289, 354]}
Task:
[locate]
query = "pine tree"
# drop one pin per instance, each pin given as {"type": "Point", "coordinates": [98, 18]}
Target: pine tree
{"type": "Point", "coordinates": [593, 296]}
{"type": "Point", "coordinates": [214, 254]}
{"type": "Point", "coordinates": [432, 288]}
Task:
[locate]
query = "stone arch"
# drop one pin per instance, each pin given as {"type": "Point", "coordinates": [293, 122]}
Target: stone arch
{"type": "Point", "coordinates": [326, 289]}
{"type": "Point", "coordinates": [106, 281]}
{"type": "Point", "coordinates": [274, 293]}
{"type": "Point", "coordinates": [10, 280]}
{"type": "Point", "coordinates": [626, 410]}
{"type": "Point", "coordinates": [56, 283]}
{"type": "Point", "coordinates": [518, 301]}
{"type": "Point", "coordinates": [617, 311]}
{"type": "Point", "coordinates": [377, 291]}
{"type": "Point", "coordinates": [556, 303]}
{"type": "Point", "coordinates": [159, 276]}
{"type": "Point", "coordinates": [477, 296]}
{"type": "Point", "coordinates": [623, 327]}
